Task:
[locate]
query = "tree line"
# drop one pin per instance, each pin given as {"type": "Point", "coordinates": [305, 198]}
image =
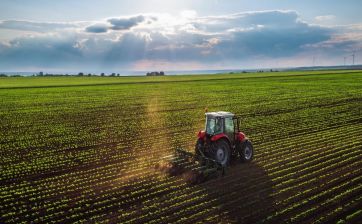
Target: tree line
{"type": "Point", "coordinates": [41, 74]}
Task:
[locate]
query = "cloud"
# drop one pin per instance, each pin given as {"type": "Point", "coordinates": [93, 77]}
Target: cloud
{"type": "Point", "coordinates": [235, 40]}
{"type": "Point", "coordinates": [116, 24]}
{"type": "Point", "coordinates": [271, 41]}
{"type": "Point", "coordinates": [240, 36]}
{"type": "Point", "coordinates": [34, 26]}
{"type": "Point", "coordinates": [97, 28]}
{"type": "Point", "coordinates": [343, 42]}
{"type": "Point", "coordinates": [325, 18]}
{"type": "Point", "coordinates": [247, 20]}
{"type": "Point", "coordinates": [45, 51]}
{"type": "Point", "coordinates": [125, 23]}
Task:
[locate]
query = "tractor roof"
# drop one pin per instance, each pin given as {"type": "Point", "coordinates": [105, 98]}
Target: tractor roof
{"type": "Point", "coordinates": [219, 114]}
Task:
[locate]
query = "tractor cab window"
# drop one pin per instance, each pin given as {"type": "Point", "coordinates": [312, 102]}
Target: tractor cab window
{"type": "Point", "coordinates": [229, 125]}
{"type": "Point", "coordinates": [213, 126]}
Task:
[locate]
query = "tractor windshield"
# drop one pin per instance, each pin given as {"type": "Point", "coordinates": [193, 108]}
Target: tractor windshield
{"type": "Point", "coordinates": [213, 126]}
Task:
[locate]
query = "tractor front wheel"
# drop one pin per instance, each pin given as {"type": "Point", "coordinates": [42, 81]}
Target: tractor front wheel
{"type": "Point", "coordinates": [221, 151]}
{"type": "Point", "coordinates": [246, 152]}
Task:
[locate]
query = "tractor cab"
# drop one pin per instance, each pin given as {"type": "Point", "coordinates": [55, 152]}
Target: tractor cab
{"type": "Point", "coordinates": [221, 123]}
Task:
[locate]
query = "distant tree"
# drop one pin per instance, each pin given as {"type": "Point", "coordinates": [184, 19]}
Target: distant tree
{"type": "Point", "coordinates": [155, 73]}
{"type": "Point", "coordinates": [3, 75]}
{"type": "Point", "coordinates": [113, 74]}
{"type": "Point", "coordinates": [40, 74]}
{"type": "Point", "coordinates": [102, 74]}
{"type": "Point", "coordinates": [118, 74]}
{"type": "Point", "coordinates": [89, 74]}
{"type": "Point", "coordinates": [80, 74]}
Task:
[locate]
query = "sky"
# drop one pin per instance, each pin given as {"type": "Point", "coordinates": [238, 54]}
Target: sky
{"type": "Point", "coordinates": [147, 35]}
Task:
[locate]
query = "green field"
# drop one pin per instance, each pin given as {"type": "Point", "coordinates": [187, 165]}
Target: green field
{"type": "Point", "coordinates": [84, 149]}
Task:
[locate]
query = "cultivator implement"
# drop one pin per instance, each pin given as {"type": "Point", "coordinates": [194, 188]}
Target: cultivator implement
{"type": "Point", "coordinates": [195, 168]}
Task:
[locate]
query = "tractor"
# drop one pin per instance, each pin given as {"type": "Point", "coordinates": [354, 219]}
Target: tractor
{"type": "Point", "coordinates": [221, 141]}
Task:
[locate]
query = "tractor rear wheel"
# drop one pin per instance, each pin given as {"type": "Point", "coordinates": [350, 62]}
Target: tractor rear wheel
{"type": "Point", "coordinates": [246, 152]}
{"type": "Point", "coordinates": [222, 153]}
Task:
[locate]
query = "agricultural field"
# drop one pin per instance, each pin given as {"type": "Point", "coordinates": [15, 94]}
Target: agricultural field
{"type": "Point", "coordinates": [86, 149]}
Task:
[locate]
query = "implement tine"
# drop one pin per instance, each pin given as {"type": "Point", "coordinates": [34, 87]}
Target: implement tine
{"type": "Point", "coordinates": [184, 153]}
{"type": "Point", "coordinates": [190, 164]}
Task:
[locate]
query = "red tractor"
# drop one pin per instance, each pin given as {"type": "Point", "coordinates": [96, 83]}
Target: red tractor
{"type": "Point", "coordinates": [216, 145]}
{"type": "Point", "coordinates": [222, 139]}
